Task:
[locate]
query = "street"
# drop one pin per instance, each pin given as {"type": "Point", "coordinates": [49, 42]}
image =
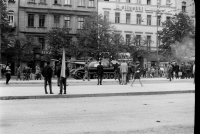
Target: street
{"type": "Point", "coordinates": [149, 114]}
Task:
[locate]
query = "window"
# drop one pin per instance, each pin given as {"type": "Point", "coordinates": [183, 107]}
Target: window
{"type": "Point", "coordinates": [148, 2]}
{"type": "Point", "coordinates": [81, 2]}
{"type": "Point", "coordinates": [183, 6]}
{"type": "Point", "coordinates": [168, 18]}
{"type": "Point", "coordinates": [148, 19]}
{"type": "Point", "coordinates": [167, 2]}
{"type": "Point", "coordinates": [128, 18]}
{"type": "Point", "coordinates": [42, 1]}
{"type": "Point", "coordinates": [67, 2]}
{"type": "Point", "coordinates": [67, 22]}
{"type": "Point", "coordinates": [11, 19]}
{"type": "Point", "coordinates": [159, 21]}
{"type": "Point", "coordinates": [148, 42]}
{"type": "Point", "coordinates": [128, 1]}
{"type": "Point", "coordinates": [80, 22]}
{"type": "Point", "coordinates": [91, 3]}
{"type": "Point", "coordinates": [106, 15]}
{"type": "Point", "coordinates": [138, 37]}
{"type": "Point", "coordinates": [56, 20]}
{"type": "Point", "coordinates": [128, 38]}
{"type": "Point", "coordinates": [138, 19]}
{"type": "Point", "coordinates": [139, 1]}
{"type": "Point", "coordinates": [42, 42]}
{"type": "Point", "coordinates": [117, 17]}
{"type": "Point", "coordinates": [57, 2]}
{"type": "Point", "coordinates": [32, 1]}
{"type": "Point", "coordinates": [30, 20]}
{"type": "Point", "coordinates": [41, 20]}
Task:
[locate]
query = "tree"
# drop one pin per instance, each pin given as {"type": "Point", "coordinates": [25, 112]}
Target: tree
{"type": "Point", "coordinates": [58, 38]}
{"type": "Point", "coordinates": [96, 35]}
{"type": "Point", "coordinates": [18, 47]}
{"type": "Point", "coordinates": [175, 30]}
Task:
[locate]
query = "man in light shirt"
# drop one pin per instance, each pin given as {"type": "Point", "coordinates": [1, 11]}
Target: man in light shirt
{"type": "Point", "coordinates": [123, 70]}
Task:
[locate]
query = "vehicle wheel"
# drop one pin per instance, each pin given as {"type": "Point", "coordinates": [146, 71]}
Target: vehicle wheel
{"type": "Point", "coordinates": [112, 76]}
{"type": "Point", "coordinates": [95, 76]}
{"type": "Point", "coordinates": [105, 76]}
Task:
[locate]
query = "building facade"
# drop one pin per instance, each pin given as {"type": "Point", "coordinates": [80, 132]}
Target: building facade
{"type": "Point", "coordinates": [37, 17]}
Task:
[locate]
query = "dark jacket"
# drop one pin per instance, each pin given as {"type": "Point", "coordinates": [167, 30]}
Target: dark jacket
{"type": "Point", "coordinates": [115, 66]}
{"type": "Point", "coordinates": [59, 71]}
{"type": "Point", "coordinates": [100, 69]}
{"type": "Point", "coordinates": [176, 68]}
{"type": "Point", "coordinates": [47, 71]}
{"type": "Point", "coordinates": [182, 69]}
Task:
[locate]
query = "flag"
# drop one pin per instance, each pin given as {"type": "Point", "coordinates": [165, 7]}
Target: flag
{"type": "Point", "coordinates": [63, 67]}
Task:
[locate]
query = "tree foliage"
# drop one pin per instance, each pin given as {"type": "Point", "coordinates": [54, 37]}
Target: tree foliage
{"type": "Point", "coordinates": [175, 30]}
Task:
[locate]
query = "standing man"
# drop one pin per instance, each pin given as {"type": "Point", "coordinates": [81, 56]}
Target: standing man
{"type": "Point", "coordinates": [124, 70]}
{"type": "Point", "coordinates": [170, 70]}
{"type": "Point", "coordinates": [193, 71]}
{"type": "Point", "coordinates": [182, 68]}
{"type": "Point", "coordinates": [58, 73]}
{"type": "Point", "coordinates": [47, 74]}
{"type": "Point", "coordinates": [188, 66]}
{"type": "Point", "coordinates": [18, 73]}
{"type": "Point", "coordinates": [115, 70]}
{"type": "Point", "coordinates": [128, 73]}
{"type": "Point", "coordinates": [87, 73]}
{"type": "Point", "coordinates": [173, 70]}
{"type": "Point", "coordinates": [63, 80]}
{"type": "Point", "coordinates": [176, 70]}
{"type": "Point", "coordinates": [119, 76]}
{"type": "Point", "coordinates": [8, 73]}
{"type": "Point", "coordinates": [99, 73]}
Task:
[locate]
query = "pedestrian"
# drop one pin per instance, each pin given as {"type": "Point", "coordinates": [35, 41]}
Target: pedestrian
{"type": "Point", "coordinates": [152, 72]}
{"type": "Point", "coordinates": [170, 70]}
{"type": "Point", "coordinates": [144, 72]}
{"type": "Point", "coordinates": [132, 70]}
{"type": "Point", "coordinates": [165, 71]}
{"type": "Point", "coordinates": [58, 73]}
{"type": "Point", "coordinates": [63, 80]}
{"type": "Point", "coordinates": [47, 74]}
{"type": "Point", "coordinates": [100, 73]}
{"type": "Point", "coordinates": [173, 70]}
{"type": "Point", "coordinates": [137, 75]}
{"type": "Point", "coordinates": [128, 76]}
{"type": "Point", "coordinates": [87, 73]}
{"type": "Point", "coordinates": [188, 66]}
{"type": "Point", "coordinates": [176, 69]}
{"type": "Point", "coordinates": [18, 72]}
{"type": "Point", "coordinates": [183, 70]}
{"type": "Point", "coordinates": [193, 71]}
{"type": "Point", "coordinates": [115, 69]}
{"type": "Point", "coordinates": [119, 74]}
{"type": "Point", "coordinates": [8, 73]}
{"type": "Point", "coordinates": [37, 73]}
{"type": "Point", "coordinates": [123, 70]}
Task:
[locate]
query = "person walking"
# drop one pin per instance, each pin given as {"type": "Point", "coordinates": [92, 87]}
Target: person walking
{"type": "Point", "coordinates": [137, 75]}
{"type": "Point", "coordinates": [47, 74]}
{"type": "Point", "coordinates": [18, 73]}
{"type": "Point", "coordinates": [87, 73]}
{"type": "Point", "coordinates": [170, 70]}
{"type": "Point", "coordinates": [173, 71]}
{"type": "Point", "coordinates": [63, 80]}
{"type": "Point", "coordinates": [152, 72]}
{"type": "Point", "coordinates": [100, 73]}
{"type": "Point", "coordinates": [188, 66]}
{"type": "Point", "coordinates": [176, 69]}
{"type": "Point", "coordinates": [183, 70]}
{"type": "Point", "coordinates": [128, 76]}
{"type": "Point", "coordinates": [124, 70]}
{"type": "Point", "coordinates": [8, 73]}
{"type": "Point", "coordinates": [58, 73]}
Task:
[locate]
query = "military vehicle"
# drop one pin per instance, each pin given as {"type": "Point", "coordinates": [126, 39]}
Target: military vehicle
{"type": "Point", "coordinates": [108, 70]}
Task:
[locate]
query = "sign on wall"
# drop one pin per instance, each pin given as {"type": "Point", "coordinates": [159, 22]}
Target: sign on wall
{"type": "Point", "coordinates": [126, 7]}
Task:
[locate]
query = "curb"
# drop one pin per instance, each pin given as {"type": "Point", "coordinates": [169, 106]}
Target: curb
{"type": "Point", "coordinates": [94, 95]}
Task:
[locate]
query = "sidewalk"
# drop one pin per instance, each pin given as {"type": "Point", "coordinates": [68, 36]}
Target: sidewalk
{"type": "Point", "coordinates": [27, 91]}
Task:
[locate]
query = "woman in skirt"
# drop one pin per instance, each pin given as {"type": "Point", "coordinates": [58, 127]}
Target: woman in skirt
{"type": "Point", "coordinates": [137, 76]}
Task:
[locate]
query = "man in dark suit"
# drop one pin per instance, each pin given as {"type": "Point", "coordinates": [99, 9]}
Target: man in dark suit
{"type": "Point", "coordinates": [63, 81]}
{"type": "Point", "coordinates": [47, 74]}
{"type": "Point", "coordinates": [100, 73]}
{"type": "Point", "coordinates": [176, 70]}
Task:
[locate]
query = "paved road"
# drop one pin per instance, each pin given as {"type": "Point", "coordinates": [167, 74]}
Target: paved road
{"type": "Point", "coordinates": [157, 114]}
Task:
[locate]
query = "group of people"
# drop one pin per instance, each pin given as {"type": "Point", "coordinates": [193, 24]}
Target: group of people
{"type": "Point", "coordinates": [183, 71]}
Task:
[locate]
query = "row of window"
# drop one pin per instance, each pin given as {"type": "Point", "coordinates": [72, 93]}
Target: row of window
{"type": "Point", "coordinates": [148, 2]}
{"type": "Point", "coordinates": [42, 19]}
{"type": "Point", "coordinates": [138, 18]}
{"type": "Point", "coordinates": [68, 2]}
